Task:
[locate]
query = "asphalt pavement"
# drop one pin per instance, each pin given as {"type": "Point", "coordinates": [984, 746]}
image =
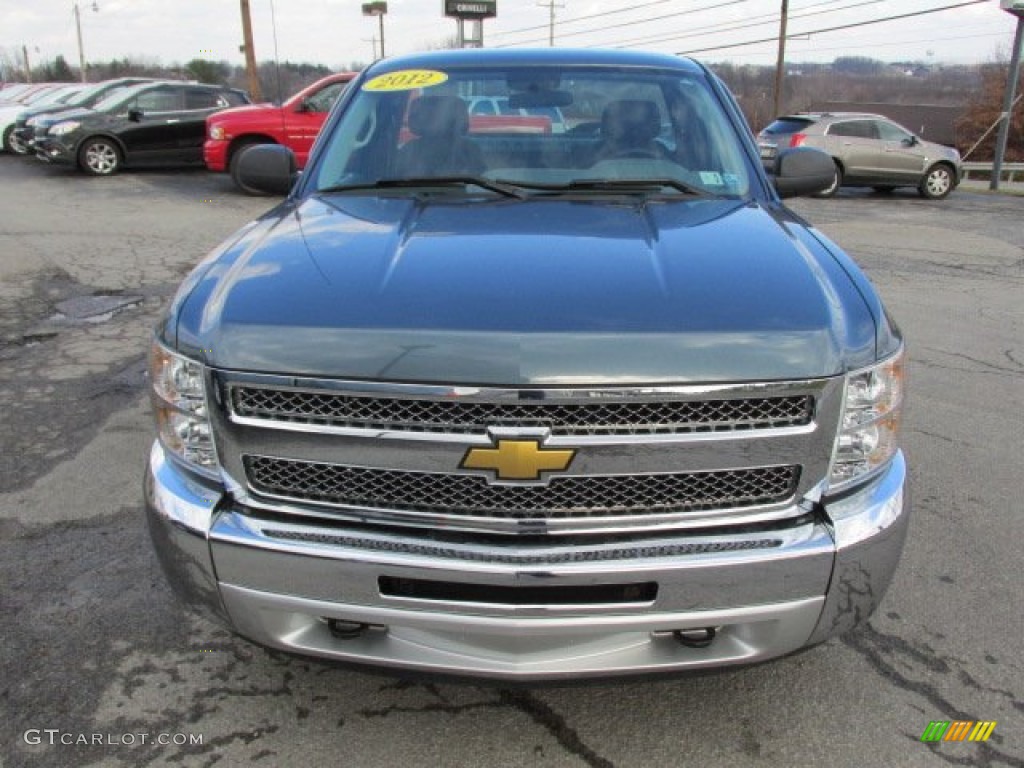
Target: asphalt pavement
{"type": "Point", "coordinates": [99, 666]}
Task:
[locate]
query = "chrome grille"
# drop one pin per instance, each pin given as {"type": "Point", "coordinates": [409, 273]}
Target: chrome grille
{"type": "Point", "coordinates": [468, 417]}
{"type": "Point", "coordinates": [563, 497]}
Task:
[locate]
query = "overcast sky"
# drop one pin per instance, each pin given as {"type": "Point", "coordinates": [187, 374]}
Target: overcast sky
{"type": "Point", "coordinates": [334, 32]}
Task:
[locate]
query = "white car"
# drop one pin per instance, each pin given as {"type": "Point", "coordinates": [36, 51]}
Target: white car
{"type": "Point", "coordinates": [9, 112]}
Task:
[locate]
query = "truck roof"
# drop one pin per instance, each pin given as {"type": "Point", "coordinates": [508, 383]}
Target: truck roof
{"type": "Point", "coordinates": [536, 56]}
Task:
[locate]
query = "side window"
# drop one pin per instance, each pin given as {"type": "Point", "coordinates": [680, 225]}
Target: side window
{"type": "Point", "coordinates": [891, 132]}
{"type": "Point", "coordinates": [158, 100]}
{"type": "Point", "coordinates": [324, 99]}
{"type": "Point", "coordinates": [200, 98]}
{"type": "Point", "coordinates": [843, 129]}
{"type": "Point", "coordinates": [859, 129]}
{"type": "Point", "coordinates": [233, 98]}
{"type": "Point", "coordinates": [482, 107]}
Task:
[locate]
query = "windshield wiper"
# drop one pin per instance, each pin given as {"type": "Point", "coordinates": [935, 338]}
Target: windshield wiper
{"type": "Point", "coordinates": [502, 188]}
{"type": "Point", "coordinates": [621, 185]}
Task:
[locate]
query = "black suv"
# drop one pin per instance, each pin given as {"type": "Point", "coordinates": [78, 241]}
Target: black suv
{"type": "Point", "coordinates": [152, 124]}
{"type": "Point", "coordinates": [22, 139]}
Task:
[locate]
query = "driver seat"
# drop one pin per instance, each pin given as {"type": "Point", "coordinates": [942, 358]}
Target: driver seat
{"type": "Point", "coordinates": [629, 128]}
{"type": "Point", "coordinates": [440, 148]}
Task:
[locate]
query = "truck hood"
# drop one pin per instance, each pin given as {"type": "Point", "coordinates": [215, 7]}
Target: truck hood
{"type": "Point", "coordinates": [248, 113]}
{"type": "Point", "coordinates": [549, 291]}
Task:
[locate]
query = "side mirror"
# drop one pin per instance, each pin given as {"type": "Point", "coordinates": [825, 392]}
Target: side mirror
{"type": "Point", "coordinates": [913, 141]}
{"type": "Point", "coordinates": [135, 115]}
{"type": "Point", "coordinates": [268, 168]}
{"type": "Point", "coordinates": [803, 171]}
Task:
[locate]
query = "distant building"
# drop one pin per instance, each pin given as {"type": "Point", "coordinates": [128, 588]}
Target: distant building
{"type": "Point", "coordinates": [929, 121]}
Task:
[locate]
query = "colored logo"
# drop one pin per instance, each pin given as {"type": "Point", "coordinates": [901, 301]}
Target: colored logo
{"type": "Point", "coordinates": [958, 730]}
{"type": "Point", "coordinates": [518, 459]}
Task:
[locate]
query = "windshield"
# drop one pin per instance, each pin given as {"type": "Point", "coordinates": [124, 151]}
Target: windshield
{"type": "Point", "coordinates": [113, 99]}
{"type": "Point", "coordinates": [92, 93]}
{"type": "Point", "coordinates": [544, 128]}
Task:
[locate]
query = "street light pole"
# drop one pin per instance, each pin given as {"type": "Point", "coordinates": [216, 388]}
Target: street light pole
{"type": "Point", "coordinates": [1011, 87]}
{"type": "Point", "coordinates": [378, 9]}
{"type": "Point", "coordinates": [81, 50]}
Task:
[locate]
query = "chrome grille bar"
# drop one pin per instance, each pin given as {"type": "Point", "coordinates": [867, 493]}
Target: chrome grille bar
{"type": "Point", "coordinates": [564, 497]}
{"type": "Point", "coordinates": [453, 416]}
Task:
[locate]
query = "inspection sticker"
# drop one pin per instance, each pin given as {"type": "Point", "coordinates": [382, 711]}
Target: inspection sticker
{"type": "Point", "coordinates": [405, 80]}
{"type": "Point", "coordinates": [711, 177]}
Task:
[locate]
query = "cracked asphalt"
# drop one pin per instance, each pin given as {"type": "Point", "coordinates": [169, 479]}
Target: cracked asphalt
{"type": "Point", "coordinates": [94, 644]}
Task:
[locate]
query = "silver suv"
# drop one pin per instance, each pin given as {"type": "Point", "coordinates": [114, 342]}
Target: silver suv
{"type": "Point", "coordinates": [868, 150]}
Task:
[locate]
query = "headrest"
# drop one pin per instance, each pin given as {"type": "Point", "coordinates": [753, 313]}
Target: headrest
{"type": "Point", "coordinates": [438, 116]}
{"type": "Point", "coordinates": [635, 121]}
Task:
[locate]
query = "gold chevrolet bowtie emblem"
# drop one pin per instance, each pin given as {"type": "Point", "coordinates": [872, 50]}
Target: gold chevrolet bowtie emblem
{"type": "Point", "coordinates": [518, 459]}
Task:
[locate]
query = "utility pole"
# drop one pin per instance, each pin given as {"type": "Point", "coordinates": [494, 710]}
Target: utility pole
{"type": "Point", "coordinates": [1008, 101]}
{"type": "Point", "coordinates": [250, 54]}
{"type": "Point", "coordinates": [28, 68]}
{"type": "Point", "coordinates": [372, 41]}
{"type": "Point", "coordinates": [780, 63]}
{"type": "Point", "coordinates": [551, 5]}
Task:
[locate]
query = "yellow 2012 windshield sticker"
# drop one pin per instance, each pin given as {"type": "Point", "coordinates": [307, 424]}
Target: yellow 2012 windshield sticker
{"type": "Point", "coordinates": [405, 80]}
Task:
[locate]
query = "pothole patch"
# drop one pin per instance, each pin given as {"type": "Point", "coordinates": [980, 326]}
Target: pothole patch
{"type": "Point", "coordinates": [97, 308]}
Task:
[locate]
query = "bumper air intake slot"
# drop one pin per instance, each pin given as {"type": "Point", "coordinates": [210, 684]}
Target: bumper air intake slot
{"type": "Point", "coordinates": [457, 592]}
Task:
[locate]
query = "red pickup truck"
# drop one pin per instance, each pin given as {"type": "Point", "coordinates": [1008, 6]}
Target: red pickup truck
{"type": "Point", "coordinates": [295, 124]}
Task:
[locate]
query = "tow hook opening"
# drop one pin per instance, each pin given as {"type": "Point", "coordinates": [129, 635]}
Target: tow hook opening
{"type": "Point", "coordinates": [695, 638]}
{"type": "Point", "coordinates": [350, 630]}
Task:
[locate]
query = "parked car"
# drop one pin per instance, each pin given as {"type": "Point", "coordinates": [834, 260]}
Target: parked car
{"type": "Point", "coordinates": [868, 151]}
{"type": "Point", "coordinates": [12, 91]}
{"type": "Point", "coordinates": [23, 138]}
{"type": "Point", "coordinates": [152, 124]}
{"type": "Point", "coordinates": [499, 105]}
{"type": "Point", "coordinates": [530, 405]}
{"type": "Point", "coordinates": [25, 93]}
{"type": "Point", "coordinates": [9, 113]}
{"type": "Point", "coordinates": [294, 124]}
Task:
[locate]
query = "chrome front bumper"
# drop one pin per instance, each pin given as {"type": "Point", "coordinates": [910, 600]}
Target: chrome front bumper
{"type": "Point", "coordinates": [767, 592]}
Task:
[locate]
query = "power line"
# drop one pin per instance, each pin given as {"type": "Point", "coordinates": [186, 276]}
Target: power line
{"type": "Point", "coordinates": [833, 29]}
{"type": "Point", "coordinates": [632, 23]}
{"type": "Point", "coordinates": [753, 21]}
{"type": "Point", "coordinates": [848, 47]}
{"type": "Point", "coordinates": [574, 19]}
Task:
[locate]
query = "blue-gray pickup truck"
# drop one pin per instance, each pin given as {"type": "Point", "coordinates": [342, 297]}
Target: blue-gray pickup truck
{"type": "Point", "coordinates": [486, 396]}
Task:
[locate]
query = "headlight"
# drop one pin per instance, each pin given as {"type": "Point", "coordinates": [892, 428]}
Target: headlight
{"type": "Point", "coordinates": [66, 127]}
{"type": "Point", "coordinates": [217, 133]}
{"type": "Point", "coordinates": [33, 121]}
{"type": "Point", "coordinates": [179, 405]}
{"type": "Point", "coordinates": [870, 428]}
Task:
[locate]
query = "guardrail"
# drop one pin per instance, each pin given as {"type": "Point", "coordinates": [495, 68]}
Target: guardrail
{"type": "Point", "coordinates": [1010, 171]}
